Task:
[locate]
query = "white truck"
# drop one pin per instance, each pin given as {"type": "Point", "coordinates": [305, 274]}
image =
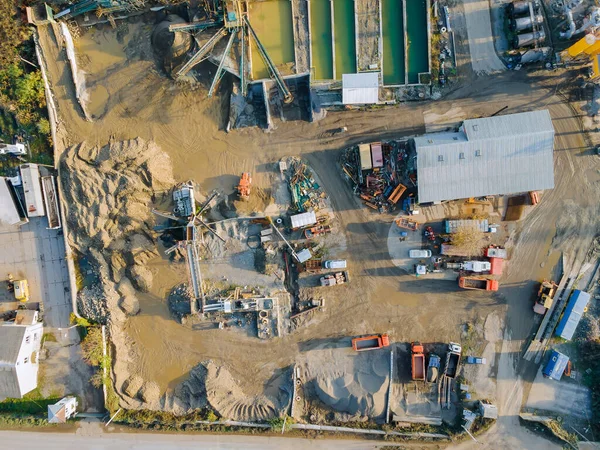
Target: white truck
{"type": "Point", "coordinates": [471, 266]}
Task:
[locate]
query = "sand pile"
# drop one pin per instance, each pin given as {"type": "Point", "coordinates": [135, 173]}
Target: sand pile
{"type": "Point", "coordinates": [214, 385]}
{"type": "Point", "coordinates": [352, 386]}
{"type": "Point", "coordinates": [108, 192]}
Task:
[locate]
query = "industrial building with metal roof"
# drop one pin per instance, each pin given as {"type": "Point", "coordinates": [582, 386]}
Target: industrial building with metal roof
{"type": "Point", "coordinates": [490, 156]}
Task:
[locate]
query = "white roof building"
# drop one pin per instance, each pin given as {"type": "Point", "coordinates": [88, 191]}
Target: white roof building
{"type": "Point", "coordinates": [303, 219]}
{"type": "Point", "coordinates": [62, 410]}
{"type": "Point", "coordinates": [360, 88]}
{"type": "Point", "coordinates": [9, 213]}
{"type": "Point", "coordinates": [490, 156]}
{"type": "Point", "coordinates": [19, 347]}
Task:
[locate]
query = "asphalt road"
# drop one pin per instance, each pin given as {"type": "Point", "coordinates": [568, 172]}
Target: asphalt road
{"type": "Point", "coordinates": [148, 441]}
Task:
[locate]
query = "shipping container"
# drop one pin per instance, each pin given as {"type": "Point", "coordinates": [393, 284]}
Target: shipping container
{"type": "Point", "coordinates": [34, 200]}
{"type": "Point", "coordinates": [556, 365]}
{"type": "Point", "coordinates": [365, 156]}
{"type": "Point", "coordinates": [377, 154]}
{"type": "Point", "coordinates": [572, 315]}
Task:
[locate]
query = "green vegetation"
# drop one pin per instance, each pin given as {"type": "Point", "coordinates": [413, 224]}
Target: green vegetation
{"type": "Point", "coordinates": [32, 403]}
{"type": "Point", "coordinates": [16, 420]}
{"type": "Point", "coordinates": [22, 98]}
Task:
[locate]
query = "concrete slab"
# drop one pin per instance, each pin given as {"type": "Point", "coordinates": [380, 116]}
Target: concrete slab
{"type": "Point", "coordinates": [481, 40]}
{"type": "Point", "coordinates": [38, 255]}
{"type": "Point", "coordinates": [563, 397]}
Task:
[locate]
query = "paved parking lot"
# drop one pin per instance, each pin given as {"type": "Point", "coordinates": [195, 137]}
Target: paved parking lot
{"type": "Point", "coordinates": [37, 254]}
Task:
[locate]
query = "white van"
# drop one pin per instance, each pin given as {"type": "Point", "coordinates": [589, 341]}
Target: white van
{"type": "Point", "coordinates": [416, 253]}
{"type": "Point", "coordinates": [335, 264]}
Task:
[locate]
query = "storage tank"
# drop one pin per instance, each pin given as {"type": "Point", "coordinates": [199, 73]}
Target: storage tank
{"type": "Point", "coordinates": [525, 39]}
{"type": "Point", "coordinates": [518, 8]}
{"type": "Point", "coordinates": [525, 23]}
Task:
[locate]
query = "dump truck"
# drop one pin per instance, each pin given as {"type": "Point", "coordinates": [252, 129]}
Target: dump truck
{"type": "Point", "coordinates": [335, 279]}
{"type": "Point", "coordinates": [476, 266]}
{"type": "Point", "coordinates": [409, 224]}
{"type": "Point", "coordinates": [370, 342]}
{"type": "Point", "coordinates": [433, 368]}
{"type": "Point", "coordinates": [418, 361]}
{"type": "Point", "coordinates": [545, 297]}
{"type": "Point", "coordinates": [481, 284]}
{"type": "Point", "coordinates": [452, 360]}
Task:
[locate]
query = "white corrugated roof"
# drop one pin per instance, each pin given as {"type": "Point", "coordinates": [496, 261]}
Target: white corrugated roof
{"type": "Point", "coordinates": [360, 88]}
{"type": "Point", "coordinates": [490, 156]}
{"type": "Point", "coordinates": [303, 219]}
{"type": "Point", "coordinates": [8, 211]}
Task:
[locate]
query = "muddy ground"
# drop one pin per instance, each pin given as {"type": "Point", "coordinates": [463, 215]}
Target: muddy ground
{"type": "Point", "coordinates": [184, 123]}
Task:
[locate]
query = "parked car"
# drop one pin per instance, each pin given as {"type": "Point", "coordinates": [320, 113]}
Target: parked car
{"type": "Point", "coordinates": [416, 253]}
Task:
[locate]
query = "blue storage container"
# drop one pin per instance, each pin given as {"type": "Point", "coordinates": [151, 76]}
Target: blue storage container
{"type": "Point", "coordinates": [572, 315]}
{"type": "Point", "coordinates": [556, 366]}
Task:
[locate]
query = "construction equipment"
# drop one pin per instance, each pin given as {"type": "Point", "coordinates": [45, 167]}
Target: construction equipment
{"type": "Point", "coordinates": [19, 287]}
{"type": "Point", "coordinates": [243, 187]}
{"type": "Point", "coordinates": [477, 283]}
{"type": "Point", "coordinates": [545, 297]}
{"type": "Point", "coordinates": [335, 279]}
{"type": "Point", "coordinates": [452, 360]}
{"type": "Point", "coordinates": [418, 362]}
{"type": "Point", "coordinates": [312, 232]}
{"type": "Point", "coordinates": [429, 234]}
{"type": "Point", "coordinates": [433, 368]}
{"type": "Point", "coordinates": [202, 53]}
{"type": "Point", "coordinates": [409, 224]}
{"type": "Point", "coordinates": [370, 342]}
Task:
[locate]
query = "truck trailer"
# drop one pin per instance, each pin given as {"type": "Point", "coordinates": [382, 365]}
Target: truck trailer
{"type": "Point", "coordinates": [481, 284]}
{"type": "Point", "coordinates": [370, 342]}
{"type": "Point", "coordinates": [418, 362]}
{"type": "Point", "coordinates": [452, 360]}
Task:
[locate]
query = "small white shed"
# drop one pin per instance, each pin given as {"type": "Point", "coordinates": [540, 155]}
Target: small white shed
{"type": "Point", "coordinates": [360, 88]}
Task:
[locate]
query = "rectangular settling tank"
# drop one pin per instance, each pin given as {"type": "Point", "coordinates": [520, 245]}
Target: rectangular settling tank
{"type": "Point", "coordinates": [321, 39]}
{"type": "Point", "coordinates": [272, 21]}
{"type": "Point", "coordinates": [417, 39]}
{"type": "Point", "coordinates": [392, 30]}
{"type": "Point", "coordinates": [344, 37]}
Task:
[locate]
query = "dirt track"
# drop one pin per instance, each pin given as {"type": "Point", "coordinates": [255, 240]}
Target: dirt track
{"type": "Point", "coordinates": [188, 126]}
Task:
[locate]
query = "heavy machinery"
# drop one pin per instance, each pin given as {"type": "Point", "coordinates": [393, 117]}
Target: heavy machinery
{"type": "Point", "coordinates": [243, 187]}
{"type": "Point", "coordinates": [545, 297]}
{"type": "Point", "coordinates": [418, 362]}
{"type": "Point", "coordinates": [433, 368]}
{"type": "Point", "coordinates": [370, 342]}
{"type": "Point", "coordinates": [477, 283]}
{"type": "Point", "coordinates": [409, 224]}
{"type": "Point", "coordinates": [19, 287]}
{"type": "Point", "coordinates": [452, 360]}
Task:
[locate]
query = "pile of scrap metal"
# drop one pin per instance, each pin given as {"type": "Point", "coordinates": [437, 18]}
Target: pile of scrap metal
{"type": "Point", "coordinates": [375, 171]}
{"type": "Point", "coordinates": [306, 192]}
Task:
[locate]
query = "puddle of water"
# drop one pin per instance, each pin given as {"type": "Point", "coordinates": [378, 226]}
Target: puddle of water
{"type": "Point", "coordinates": [416, 31]}
{"type": "Point", "coordinates": [345, 42]}
{"type": "Point", "coordinates": [98, 98]}
{"type": "Point", "coordinates": [272, 21]}
{"type": "Point", "coordinates": [393, 42]}
{"type": "Point", "coordinates": [320, 39]}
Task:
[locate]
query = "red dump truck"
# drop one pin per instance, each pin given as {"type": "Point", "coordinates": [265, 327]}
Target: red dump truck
{"type": "Point", "coordinates": [481, 284]}
{"type": "Point", "coordinates": [370, 342]}
{"type": "Point", "coordinates": [418, 361]}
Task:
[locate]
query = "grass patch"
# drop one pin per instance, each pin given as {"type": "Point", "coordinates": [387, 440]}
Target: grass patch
{"type": "Point", "coordinates": [48, 337]}
{"type": "Point", "coordinates": [32, 403]}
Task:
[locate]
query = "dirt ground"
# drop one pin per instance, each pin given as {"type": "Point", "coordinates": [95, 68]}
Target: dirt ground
{"type": "Point", "coordinates": [188, 126]}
